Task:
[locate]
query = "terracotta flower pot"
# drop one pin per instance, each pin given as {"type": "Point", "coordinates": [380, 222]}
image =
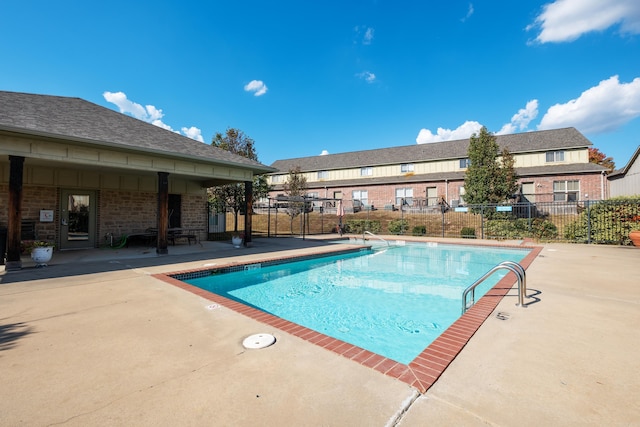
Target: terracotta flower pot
{"type": "Point", "coordinates": [635, 238]}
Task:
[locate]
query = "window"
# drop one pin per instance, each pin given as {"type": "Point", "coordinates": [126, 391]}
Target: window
{"type": "Point", "coordinates": [555, 156]}
{"type": "Point", "coordinates": [407, 167]}
{"type": "Point", "coordinates": [404, 195]}
{"type": "Point", "coordinates": [528, 192]}
{"type": "Point", "coordinates": [464, 163]}
{"type": "Point", "coordinates": [362, 195]}
{"type": "Point", "coordinates": [276, 178]}
{"type": "Point", "coordinates": [367, 171]}
{"type": "Point", "coordinates": [432, 196]}
{"type": "Point", "coordinates": [323, 174]}
{"type": "Point", "coordinates": [566, 191]}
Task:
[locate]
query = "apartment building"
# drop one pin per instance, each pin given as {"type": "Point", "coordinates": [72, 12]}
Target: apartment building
{"type": "Point", "coordinates": [552, 165]}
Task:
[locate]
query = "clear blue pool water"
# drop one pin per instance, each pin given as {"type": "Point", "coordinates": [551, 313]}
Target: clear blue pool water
{"type": "Point", "coordinates": [393, 302]}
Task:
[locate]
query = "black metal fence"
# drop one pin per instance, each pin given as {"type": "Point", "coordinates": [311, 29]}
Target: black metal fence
{"type": "Point", "coordinates": [602, 222]}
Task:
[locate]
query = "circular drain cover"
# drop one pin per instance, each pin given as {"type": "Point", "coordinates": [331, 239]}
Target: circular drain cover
{"type": "Point", "coordinates": [258, 341]}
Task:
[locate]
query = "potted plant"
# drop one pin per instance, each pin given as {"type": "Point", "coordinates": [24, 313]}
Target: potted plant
{"type": "Point", "coordinates": [41, 252]}
{"type": "Point", "coordinates": [236, 239]}
{"type": "Point", "coordinates": [634, 234]}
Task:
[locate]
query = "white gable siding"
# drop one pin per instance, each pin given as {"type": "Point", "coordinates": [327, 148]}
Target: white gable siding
{"type": "Point", "coordinates": [629, 184]}
{"type": "Point", "coordinates": [432, 166]}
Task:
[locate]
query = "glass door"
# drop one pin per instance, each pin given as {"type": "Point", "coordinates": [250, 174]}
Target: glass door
{"type": "Point", "coordinates": [77, 219]}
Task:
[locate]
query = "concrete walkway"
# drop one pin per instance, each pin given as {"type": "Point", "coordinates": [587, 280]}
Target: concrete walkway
{"type": "Point", "coordinates": [93, 339]}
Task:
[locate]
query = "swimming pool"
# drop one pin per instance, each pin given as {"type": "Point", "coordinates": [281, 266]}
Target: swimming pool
{"type": "Point", "coordinates": [393, 301]}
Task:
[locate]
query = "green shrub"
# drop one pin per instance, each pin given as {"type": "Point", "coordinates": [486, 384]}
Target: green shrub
{"type": "Point", "coordinates": [520, 228]}
{"type": "Point", "coordinates": [468, 232]}
{"type": "Point", "coordinates": [503, 229]}
{"type": "Point", "coordinates": [543, 229]}
{"type": "Point", "coordinates": [398, 226]}
{"type": "Point", "coordinates": [419, 230]}
{"type": "Point", "coordinates": [611, 221]}
{"type": "Point", "coordinates": [359, 226]}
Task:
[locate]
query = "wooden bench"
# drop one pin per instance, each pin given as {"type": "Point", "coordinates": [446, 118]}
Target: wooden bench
{"type": "Point", "coordinates": [172, 237]}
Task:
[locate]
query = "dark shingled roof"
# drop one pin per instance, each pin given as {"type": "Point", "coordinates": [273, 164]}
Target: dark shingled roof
{"type": "Point", "coordinates": [75, 119]}
{"type": "Point", "coordinates": [574, 168]}
{"type": "Point", "coordinates": [620, 173]}
{"type": "Point", "coordinates": [557, 139]}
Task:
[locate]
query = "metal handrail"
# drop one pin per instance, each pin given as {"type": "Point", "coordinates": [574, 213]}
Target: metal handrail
{"type": "Point", "coordinates": [509, 265]}
{"type": "Point", "coordinates": [523, 275]}
{"type": "Point", "coordinates": [377, 237]}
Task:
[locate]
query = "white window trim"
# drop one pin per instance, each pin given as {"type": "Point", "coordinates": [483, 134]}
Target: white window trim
{"type": "Point", "coordinates": [406, 167]}
{"type": "Point", "coordinates": [558, 156]}
{"type": "Point", "coordinates": [366, 171]}
{"type": "Point", "coordinates": [565, 191]}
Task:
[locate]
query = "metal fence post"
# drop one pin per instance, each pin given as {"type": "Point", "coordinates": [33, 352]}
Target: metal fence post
{"type": "Point", "coordinates": [269, 217]}
{"type": "Point", "coordinates": [586, 202]}
{"type": "Point", "coordinates": [442, 209]}
{"type": "Point", "coordinates": [402, 216]}
{"type": "Point", "coordinates": [482, 221]}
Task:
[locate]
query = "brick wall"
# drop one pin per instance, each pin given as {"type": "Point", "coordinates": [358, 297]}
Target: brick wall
{"type": "Point", "coordinates": [383, 194]}
{"type": "Point", "coordinates": [590, 186]}
{"type": "Point", "coordinates": [125, 212]}
{"type": "Point", "coordinates": [128, 212]}
{"type": "Point", "coordinates": [194, 211]}
{"type": "Point", "coordinates": [118, 211]}
{"type": "Point", "coordinates": [33, 200]}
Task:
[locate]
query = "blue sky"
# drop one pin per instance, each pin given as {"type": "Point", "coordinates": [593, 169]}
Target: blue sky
{"type": "Point", "coordinates": [306, 77]}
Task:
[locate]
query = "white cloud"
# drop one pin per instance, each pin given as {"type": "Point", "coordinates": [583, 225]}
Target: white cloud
{"type": "Point", "coordinates": [364, 33]}
{"type": "Point", "coordinates": [257, 87]}
{"type": "Point", "coordinates": [368, 36]}
{"type": "Point", "coordinates": [367, 76]}
{"type": "Point", "coordinates": [566, 20]}
{"type": "Point", "coordinates": [193, 133]}
{"type": "Point", "coordinates": [463, 131]}
{"type": "Point", "coordinates": [324, 153]}
{"type": "Point", "coordinates": [469, 13]}
{"type": "Point", "coordinates": [153, 112]}
{"type": "Point", "coordinates": [162, 125]}
{"type": "Point", "coordinates": [602, 108]}
{"type": "Point", "coordinates": [149, 114]}
{"type": "Point", "coordinates": [521, 120]}
{"type": "Point", "coordinates": [126, 106]}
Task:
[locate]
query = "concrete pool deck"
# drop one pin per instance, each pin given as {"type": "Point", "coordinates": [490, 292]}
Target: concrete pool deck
{"type": "Point", "coordinates": [94, 339]}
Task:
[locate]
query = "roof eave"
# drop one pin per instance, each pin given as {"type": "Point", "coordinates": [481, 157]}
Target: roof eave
{"type": "Point", "coordinates": [255, 169]}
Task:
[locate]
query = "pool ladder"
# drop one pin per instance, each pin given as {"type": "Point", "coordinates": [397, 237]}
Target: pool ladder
{"type": "Point", "coordinates": [377, 237]}
{"type": "Point", "coordinates": [509, 265]}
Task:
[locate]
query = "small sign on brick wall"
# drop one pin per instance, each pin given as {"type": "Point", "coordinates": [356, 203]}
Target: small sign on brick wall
{"type": "Point", "coordinates": [46, 215]}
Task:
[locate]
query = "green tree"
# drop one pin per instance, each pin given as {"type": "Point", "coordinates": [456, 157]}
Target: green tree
{"type": "Point", "coordinates": [489, 179]}
{"type": "Point", "coordinates": [231, 196]}
{"type": "Point", "coordinates": [296, 189]}
{"type": "Point", "coordinates": [599, 158]}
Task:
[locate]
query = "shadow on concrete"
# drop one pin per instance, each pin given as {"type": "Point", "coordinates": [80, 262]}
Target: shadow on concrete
{"type": "Point", "coordinates": [91, 261]}
{"type": "Point", "coordinates": [11, 333]}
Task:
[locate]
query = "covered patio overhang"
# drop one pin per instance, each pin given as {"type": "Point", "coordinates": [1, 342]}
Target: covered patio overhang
{"type": "Point", "coordinates": [30, 157]}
